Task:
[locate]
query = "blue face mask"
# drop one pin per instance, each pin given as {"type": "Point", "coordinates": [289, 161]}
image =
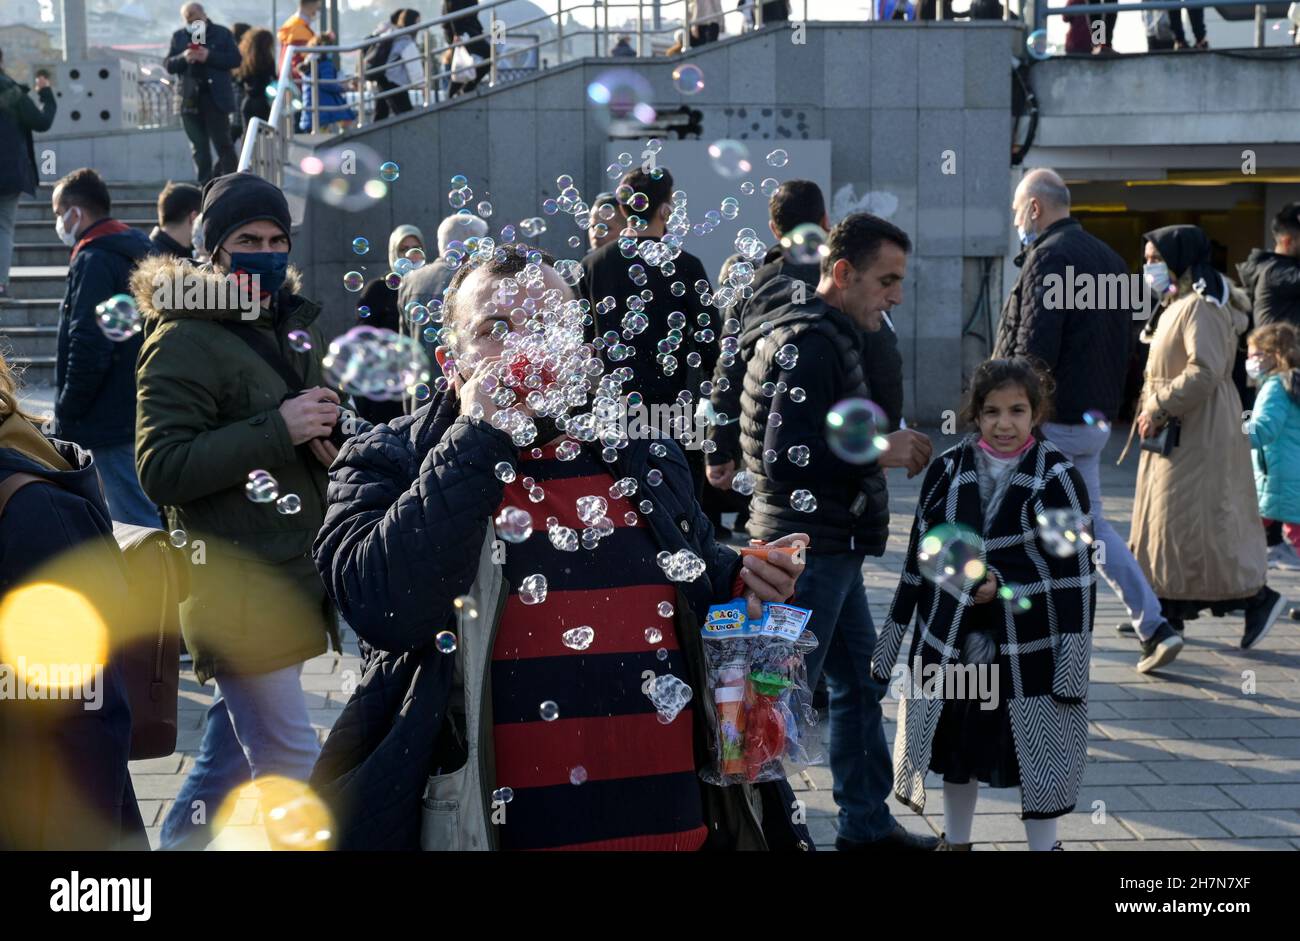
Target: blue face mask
{"type": "Point", "coordinates": [269, 267]}
{"type": "Point", "coordinates": [1026, 236]}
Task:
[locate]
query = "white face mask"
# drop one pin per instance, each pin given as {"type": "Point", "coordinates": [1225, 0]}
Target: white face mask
{"type": "Point", "coordinates": [67, 236]}
{"type": "Point", "coordinates": [1157, 276]}
{"type": "Point", "coordinates": [1254, 366]}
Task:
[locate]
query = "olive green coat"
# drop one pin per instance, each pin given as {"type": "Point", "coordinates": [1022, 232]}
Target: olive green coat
{"type": "Point", "coordinates": [207, 413]}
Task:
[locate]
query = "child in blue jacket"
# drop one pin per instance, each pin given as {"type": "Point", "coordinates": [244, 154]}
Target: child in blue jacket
{"type": "Point", "coordinates": [331, 91]}
{"type": "Point", "coordinates": [1273, 358]}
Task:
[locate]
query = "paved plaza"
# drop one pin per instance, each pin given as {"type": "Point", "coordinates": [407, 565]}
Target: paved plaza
{"type": "Point", "coordinates": [1179, 760]}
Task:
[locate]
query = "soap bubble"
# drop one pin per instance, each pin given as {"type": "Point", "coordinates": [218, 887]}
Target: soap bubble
{"type": "Point", "coordinates": [360, 245]}
{"type": "Point", "coordinates": [563, 538]}
{"type": "Point", "coordinates": [855, 430]}
{"type": "Point", "coordinates": [289, 504]}
{"type": "Point", "coordinates": [669, 696]}
{"type": "Point", "coordinates": [591, 509]}
{"type": "Point", "coordinates": [363, 311]}
{"type": "Point", "coordinates": [747, 188]}
{"type": "Point", "coordinates": [797, 394]}
{"type": "Point", "coordinates": [374, 363]}
{"type": "Point", "coordinates": [503, 795]}
{"type": "Point", "coordinates": [787, 356]}
{"type": "Point", "coordinates": [299, 341]}
{"type": "Point", "coordinates": [799, 455]}
{"type": "Point", "coordinates": [118, 317]}
{"type": "Point", "coordinates": [654, 477]}
{"type": "Point", "coordinates": [621, 95]}
{"type": "Point", "coordinates": [1097, 419]}
{"type": "Point", "coordinates": [950, 556]}
{"type": "Point", "coordinates": [778, 158]}
{"type": "Point", "coordinates": [665, 609]}
{"type": "Point", "coordinates": [446, 642]}
{"type": "Point", "coordinates": [578, 638]}
{"type": "Point", "coordinates": [416, 257]}
{"type": "Point", "coordinates": [514, 525]}
{"type": "Point", "coordinates": [388, 171]}
{"type": "Point", "coordinates": [505, 472]}
{"type": "Point", "coordinates": [549, 711]}
{"type": "Point", "coordinates": [484, 209]}
{"type": "Point", "coordinates": [1036, 44]}
{"type": "Point", "coordinates": [346, 177]}
{"type": "Point", "coordinates": [803, 501]}
{"type": "Point", "coordinates": [261, 487]}
{"type": "Point", "coordinates": [532, 590]}
{"type": "Point", "coordinates": [354, 281]}
{"type": "Point", "coordinates": [653, 635]}
{"type": "Point", "coordinates": [688, 79]}
{"type": "Point", "coordinates": [577, 775]}
{"type": "Point", "coordinates": [769, 187]}
{"type": "Point", "coordinates": [805, 244]}
{"type": "Point", "coordinates": [178, 538]}
{"type": "Point", "coordinates": [1062, 532]}
{"type": "Point", "coordinates": [743, 483]}
{"type": "Point", "coordinates": [729, 158]}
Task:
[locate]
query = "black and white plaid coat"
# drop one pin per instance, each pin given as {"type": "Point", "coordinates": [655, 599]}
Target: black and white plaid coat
{"type": "Point", "coordinates": [1043, 652]}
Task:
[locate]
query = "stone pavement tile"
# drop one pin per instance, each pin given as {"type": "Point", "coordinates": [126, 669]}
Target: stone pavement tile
{"type": "Point", "coordinates": [1174, 825]}
{"type": "Point", "coordinates": [992, 800]}
{"type": "Point", "coordinates": [1270, 771]}
{"type": "Point", "coordinates": [1169, 687]}
{"type": "Point", "coordinates": [149, 811]}
{"type": "Point", "coordinates": [1127, 750]}
{"type": "Point", "coordinates": [1140, 728]}
{"type": "Point", "coordinates": [1187, 797]}
{"type": "Point", "coordinates": [156, 786]}
{"type": "Point", "coordinates": [1283, 707]}
{"type": "Point", "coordinates": [1208, 749]}
{"type": "Point", "coordinates": [1275, 747]}
{"type": "Point", "coordinates": [1198, 771]}
{"type": "Point", "coordinates": [1240, 845]}
{"type": "Point", "coordinates": [1240, 707]}
{"type": "Point", "coordinates": [1105, 710]}
{"type": "Point", "coordinates": [1117, 772]}
{"type": "Point", "coordinates": [1115, 798]}
{"type": "Point", "coordinates": [1067, 845]}
{"type": "Point", "coordinates": [1260, 822]}
{"type": "Point", "coordinates": [324, 683]}
{"type": "Point", "coordinates": [1280, 727]}
{"type": "Point", "coordinates": [155, 837]}
{"type": "Point", "coordinates": [1265, 796]}
{"type": "Point", "coordinates": [1223, 728]}
{"type": "Point", "coordinates": [323, 664]}
{"type": "Point", "coordinates": [167, 765]}
{"type": "Point", "coordinates": [1079, 826]}
{"type": "Point", "coordinates": [1107, 692]}
{"type": "Point", "coordinates": [1149, 846]}
{"type": "Point", "coordinates": [1154, 709]}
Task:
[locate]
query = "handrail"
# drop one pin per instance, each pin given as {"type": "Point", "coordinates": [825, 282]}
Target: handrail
{"type": "Point", "coordinates": [1042, 12]}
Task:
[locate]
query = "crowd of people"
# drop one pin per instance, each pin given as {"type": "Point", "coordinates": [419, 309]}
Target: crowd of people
{"type": "Point", "coordinates": [399, 524]}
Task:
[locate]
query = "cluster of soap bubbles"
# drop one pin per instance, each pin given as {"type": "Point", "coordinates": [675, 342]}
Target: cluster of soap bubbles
{"type": "Point", "coordinates": [681, 566]}
{"type": "Point", "coordinates": [803, 501]}
{"type": "Point", "coordinates": [261, 487]}
{"type": "Point", "coordinates": [578, 638]}
{"type": "Point", "coordinates": [514, 525]}
{"type": "Point", "coordinates": [1097, 419]}
{"type": "Point", "coordinates": [375, 363]}
{"type": "Point", "coordinates": [532, 590]}
{"type": "Point", "coordinates": [669, 696]}
{"type": "Point", "coordinates": [118, 317]}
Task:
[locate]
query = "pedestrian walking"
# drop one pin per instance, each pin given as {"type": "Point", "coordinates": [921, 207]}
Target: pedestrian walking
{"type": "Point", "coordinates": [19, 117]}
{"type": "Point", "coordinates": [202, 56]}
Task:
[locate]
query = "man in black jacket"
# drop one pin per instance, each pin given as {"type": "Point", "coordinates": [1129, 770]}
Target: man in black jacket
{"type": "Point", "coordinates": [202, 53]}
{"type": "Point", "coordinates": [1273, 278]}
{"type": "Point", "coordinates": [19, 116]}
{"type": "Point", "coordinates": [94, 377]}
{"type": "Point", "coordinates": [178, 207]}
{"type": "Point", "coordinates": [795, 374]}
{"type": "Point", "coordinates": [794, 204]}
{"type": "Point", "coordinates": [1066, 312]}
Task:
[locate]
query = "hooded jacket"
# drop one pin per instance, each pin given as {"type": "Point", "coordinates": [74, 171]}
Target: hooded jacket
{"type": "Point", "coordinates": [1274, 430]}
{"type": "Point", "coordinates": [63, 777]}
{"type": "Point", "coordinates": [207, 415]}
{"type": "Point", "coordinates": [1273, 283]}
{"type": "Point", "coordinates": [94, 379]}
{"type": "Point", "coordinates": [852, 513]}
{"type": "Point", "coordinates": [881, 359]}
{"type": "Point", "coordinates": [1088, 350]}
{"type": "Point", "coordinates": [409, 531]}
{"type": "Point", "coordinates": [19, 116]}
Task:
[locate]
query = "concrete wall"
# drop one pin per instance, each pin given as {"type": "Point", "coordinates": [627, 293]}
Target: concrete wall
{"type": "Point", "coordinates": [125, 156]}
{"type": "Point", "coordinates": [890, 97]}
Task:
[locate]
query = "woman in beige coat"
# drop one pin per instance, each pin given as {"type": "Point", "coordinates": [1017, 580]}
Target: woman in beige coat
{"type": "Point", "coordinates": [1196, 530]}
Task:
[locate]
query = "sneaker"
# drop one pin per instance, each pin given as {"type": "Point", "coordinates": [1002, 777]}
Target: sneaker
{"type": "Point", "coordinates": [1282, 556]}
{"type": "Point", "coordinates": [944, 846]}
{"type": "Point", "coordinates": [1125, 627]}
{"type": "Point", "coordinates": [900, 840]}
{"type": "Point", "coordinates": [1162, 647]}
{"type": "Point", "coordinates": [1263, 610]}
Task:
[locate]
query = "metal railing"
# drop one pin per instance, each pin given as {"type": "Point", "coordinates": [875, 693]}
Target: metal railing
{"type": "Point", "coordinates": [1042, 11]}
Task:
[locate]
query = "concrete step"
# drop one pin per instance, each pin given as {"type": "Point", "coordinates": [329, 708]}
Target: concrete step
{"type": "Point", "coordinates": [30, 312]}
{"type": "Point", "coordinates": [45, 282]}
{"type": "Point", "coordinates": [38, 371]}
{"type": "Point", "coordinates": [23, 344]}
{"type": "Point", "coordinates": [118, 190]}
{"type": "Point", "coordinates": [131, 208]}
{"type": "Point", "coordinates": [41, 231]}
{"type": "Point", "coordinates": [28, 254]}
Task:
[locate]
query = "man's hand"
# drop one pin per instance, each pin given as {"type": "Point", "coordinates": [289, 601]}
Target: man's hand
{"type": "Point", "coordinates": [907, 448]}
{"type": "Point", "coordinates": [773, 580]}
{"type": "Point", "coordinates": [324, 451]}
{"type": "Point", "coordinates": [311, 414]}
{"type": "Point", "coordinates": [987, 591]}
{"type": "Point", "coordinates": [470, 390]}
{"type": "Point", "coordinates": [719, 475]}
{"type": "Point", "coordinates": [198, 55]}
{"type": "Point", "coordinates": [42, 82]}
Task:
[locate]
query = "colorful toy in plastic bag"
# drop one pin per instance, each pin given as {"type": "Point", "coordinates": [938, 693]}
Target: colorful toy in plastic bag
{"type": "Point", "coordinates": [759, 681]}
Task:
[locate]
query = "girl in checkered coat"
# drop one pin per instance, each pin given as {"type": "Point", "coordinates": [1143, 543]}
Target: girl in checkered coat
{"type": "Point", "coordinates": [1000, 577]}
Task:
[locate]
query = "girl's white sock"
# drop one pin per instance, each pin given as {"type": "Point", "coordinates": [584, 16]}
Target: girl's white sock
{"type": "Point", "coordinates": [959, 810]}
{"type": "Point", "coordinates": [1041, 833]}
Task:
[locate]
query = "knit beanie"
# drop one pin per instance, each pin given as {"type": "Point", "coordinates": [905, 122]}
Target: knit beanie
{"type": "Point", "coordinates": [237, 199]}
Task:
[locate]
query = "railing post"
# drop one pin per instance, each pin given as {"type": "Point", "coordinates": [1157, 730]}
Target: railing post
{"type": "Point", "coordinates": [492, 49]}
{"type": "Point", "coordinates": [559, 35]}
{"type": "Point", "coordinates": [361, 88]}
{"type": "Point", "coordinates": [686, 27]}
{"type": "Point", "coordinates": [315, 96]}
{"type": "Point", "coordinates": [640, 29]}
{"type": "Point", "coordinates": [427, 53]}
{"type": "Point", "coordinates": [758, 13]}
{"type": "Point", "coordinates": [1260, 11]}
{"type": "Point", "coordinates": [595, 29]}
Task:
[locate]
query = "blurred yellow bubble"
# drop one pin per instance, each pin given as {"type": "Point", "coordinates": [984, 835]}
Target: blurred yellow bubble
{"type": "Point", "coordinates": [47, 629]}
{"type": "Point", "coordinates": [293, 816]}
{"type": "Point", "coordinates": [974, 569]}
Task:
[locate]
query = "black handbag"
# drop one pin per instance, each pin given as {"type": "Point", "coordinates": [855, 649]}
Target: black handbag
{"type": "Point", "coordinates": [1164, 442]}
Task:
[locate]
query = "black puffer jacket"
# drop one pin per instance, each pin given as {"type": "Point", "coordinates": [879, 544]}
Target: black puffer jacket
{"type": "Point", "coordinates": [409, 508]}
{"type": "Point", "coordinates": [880, 356]}
{"type": "Point", "coordinates": [852, 512]}
{"type": "Point", "coordinates": [1086, 350]}
{"type": "Point", "coordinates": [1273, 283]}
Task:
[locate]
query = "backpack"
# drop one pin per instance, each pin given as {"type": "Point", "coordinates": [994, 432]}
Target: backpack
{"type": "Point", "coordinates": [377, 53]}
{"type": "Point", "coordinates": [158, 581]}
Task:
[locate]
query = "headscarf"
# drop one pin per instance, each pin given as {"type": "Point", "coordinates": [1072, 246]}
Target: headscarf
{"type": "Point", "coordinates": [394, 240]}
{"type": "Point", "coordinates": [1186, 248]}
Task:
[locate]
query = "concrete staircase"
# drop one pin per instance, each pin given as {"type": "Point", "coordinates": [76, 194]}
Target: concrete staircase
{"type": "Point", "coordinates": [29, 318]}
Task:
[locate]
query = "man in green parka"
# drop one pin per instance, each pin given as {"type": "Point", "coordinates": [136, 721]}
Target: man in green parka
{"type": "Point", "coordinates": [229, 382]}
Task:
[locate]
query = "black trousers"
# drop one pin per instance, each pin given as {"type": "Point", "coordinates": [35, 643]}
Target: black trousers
{"type": "Point", "coordinates": [480, 48]}
{"type": "Point", "coordinates": [1197, 17]}
{"type": "Point", "coordinates": [705, 33]}
{"type": "Point", "coordinates": [1108, 37]}
{"type": "Point", "coordinates": [393, 104]}
{"type": "Point", "coordinates": [206, 130]}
